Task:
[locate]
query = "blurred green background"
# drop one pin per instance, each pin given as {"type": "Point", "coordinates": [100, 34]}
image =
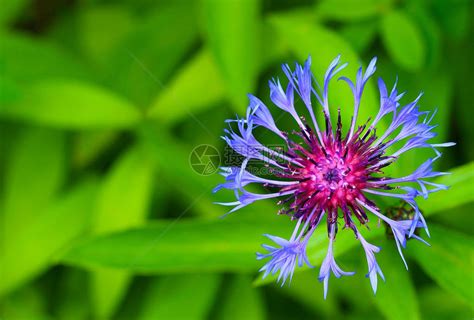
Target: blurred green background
{"type": "Point", "coordinates": [101, 103]}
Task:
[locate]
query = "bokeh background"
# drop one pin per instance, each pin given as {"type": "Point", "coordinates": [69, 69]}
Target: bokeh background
{"type": "Point", "coordinates": [101, 104]}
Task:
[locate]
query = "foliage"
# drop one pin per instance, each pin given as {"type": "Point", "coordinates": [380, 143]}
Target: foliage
{"type": "Point", "coordinates": [101, 104]}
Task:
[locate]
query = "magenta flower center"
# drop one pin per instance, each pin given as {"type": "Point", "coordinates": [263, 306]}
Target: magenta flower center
{"type": "Point", "coordinates": [331, 175]}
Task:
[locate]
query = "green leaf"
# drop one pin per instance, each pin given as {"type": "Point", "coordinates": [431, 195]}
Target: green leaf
{"type": "Point", "coordinates": [431, 32]}
{"type": "Point", "coordinates": [360, 35]}
{"type": "Point", "coordinates": [10, 10]}
{"type": "Point", "coordinates": [72, 105]}
{"type": "Point", "coordinates": [63, 31]}
{"type": "Point", "coordinates": [241, 300]}
{"type": "Point", "coordinates": [43, 237]}
{"type": "Point", "coordinates": [185, 95]}
{"type": "Point", "coordinates": [26, 303]}
{"type": "Point", "coordinates": [403, 40]}
{"type": "Point", "coordinates": [26, 59]}
{"type": "Point", "coordinates": [457, 61]}
{"type": "Point", "coordinates": [306, 38]}
{"type": "Point", "coordinates": [233, 33]}
{"type": "Point", "coordinates": [276, 49]}
{"type": "Point", "coordinates": [180, 297]}
{"type": "Point", "coordinates": [9, 90]}
{"type": "Point", "coordinates": [102, 28]}
{"type": "Point", "coordinates": [89, 145]}
{"type": "Point", "coordinates": [36, 171]}
{"type": "Point", "coordinates": [345, 287]}
{"type": "Point", "coordinates": [150, 54]}
{"type": "Point", "coordinates": [449, 261]}
{"type": "Point", "coordinates": [179, 246]}
{"type": "Point", "coordinates": [439, 304]}
{"type": "Point", "coordinates": [108, 288]}
{"type": "Point", "coordinates": [454, 16]}
{"type": "Point", "coordinates": [71, 302]}
{"type": "Point", "coordinates": [133, 175]}
{"type": "Point", "coordinates": [304, 288]}
{"type": "Point", "coordinates": [456, 218]}
{"type": "Point", "coordinates": [347, 10]}
{"type": "Point", "coordinates": [461, 191]}
{"type": "Point", "coordinates": [397, 298]}
{"type": "Point", "coordinates": [169, 153]}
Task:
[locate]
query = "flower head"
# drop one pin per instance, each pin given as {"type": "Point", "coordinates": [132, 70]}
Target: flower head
{"type": "Point", "coordinates": [331, 173]}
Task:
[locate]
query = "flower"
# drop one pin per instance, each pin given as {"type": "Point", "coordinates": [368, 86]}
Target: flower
{"type": "Point", "coordinates": [330, 173]}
